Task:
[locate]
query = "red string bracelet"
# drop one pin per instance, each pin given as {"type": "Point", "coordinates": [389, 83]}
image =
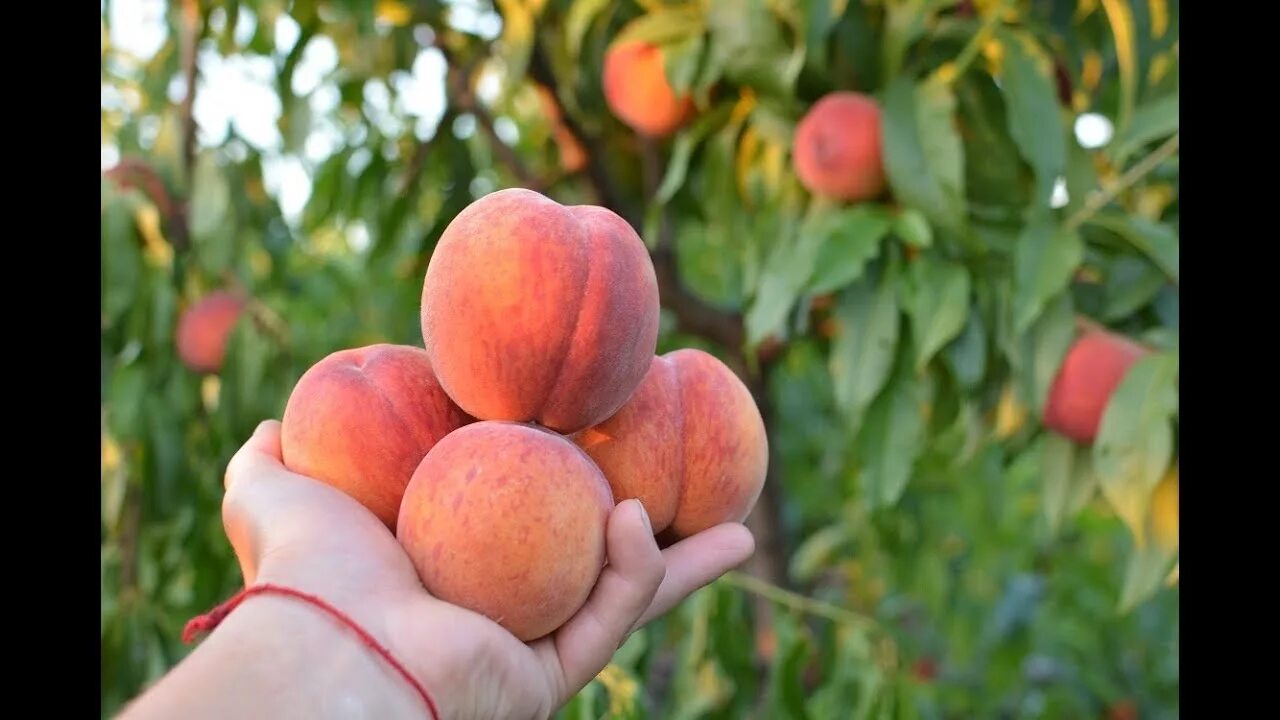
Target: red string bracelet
{"type": "Point", "coordinates": [208, 621]}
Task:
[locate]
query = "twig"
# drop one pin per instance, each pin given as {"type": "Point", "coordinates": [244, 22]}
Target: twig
{"type": "Point", "coordinates": [192, 29]}
{"type": "Point", "coordinates": [1098, 200]}
{"type": "Point", "coordinates": [800, 603]}
{"type": "Point", "coordinates": [971, 49]}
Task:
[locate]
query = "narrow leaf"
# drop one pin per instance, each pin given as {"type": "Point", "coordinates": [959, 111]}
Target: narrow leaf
{"type": "Point", "coordinates": [1035, 119]}
{"type": "Point", "coordinates": [924, 158]}
{"type": "Point", "coordinates": [892, 440]}
{"type": "Point", "coordinates": [1045, 259]}
{"type": "Point", "coordinates": [865, 343]}
{"type": "Point", "coordinates": [939, 304]}
{"type": "Point", "coordinates": [1135, 441]}
{"type": "Point", "coordinates": [852, 239]}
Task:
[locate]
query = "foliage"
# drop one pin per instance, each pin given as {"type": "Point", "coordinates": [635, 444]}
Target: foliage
{"type": "Point", "coordinates": [940, 553]}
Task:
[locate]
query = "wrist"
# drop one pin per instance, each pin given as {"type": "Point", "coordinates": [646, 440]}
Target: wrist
{"type": "Point", "coordinates": [349, 633]}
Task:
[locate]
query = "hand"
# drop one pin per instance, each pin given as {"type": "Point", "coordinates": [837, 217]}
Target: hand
{"type": "Point", "coordinates": [294, 531]}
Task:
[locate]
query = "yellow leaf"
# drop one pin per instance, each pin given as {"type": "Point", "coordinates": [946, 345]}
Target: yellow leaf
{"type": "Point", "coordinates": [1159, 17]}
{"type": "Point", "coordinates": [622, 690]}
{"type": "Point", "coordinates": [1160, 65]}
{"type": "Point", "coordinates": [1121, 17]}
{"type": "Point", "coordinates": [945, 74]}
{"type": "Point", "coordinates": [259, 262]}
{"type": "Point", "coordinates": [1164, 511]}
{"type": "Point", "coordinates": [158, 251]}
{"type": "Point", "coordinates": [1091, 70]}
{"type": "Point", "coordinates": [210, 388]}
{"type": "Point", "coordinates": [1011, 414]}
{"type": "Point", "coordinates": [1085, 8]}
{"type": "Point", "coordinates": [746, 153]}
{"type": "Point", "coordinates": [393, 12]}
{"type": "Point", "coordinates": [993, 51]}
{"type": "Point", "coordinates": [1152, 200]}
{"type": "Point", "coordinates": [746, 103]}
{"type": "Point", "coordinates": [111, 455]}
{"type": "Point", "coordinates": [1173, 576]}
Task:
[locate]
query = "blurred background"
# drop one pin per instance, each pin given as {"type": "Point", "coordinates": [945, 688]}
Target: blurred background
{"type": "Point", "coordinates": [275, 175]}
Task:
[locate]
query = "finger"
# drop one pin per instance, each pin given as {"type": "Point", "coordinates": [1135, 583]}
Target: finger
{"type": "Point", "coordinates": [586, 643]}
{"type": "Point", "coordinates": [696, 561]}
{"type": "Point", "coordinates": [260, 452]}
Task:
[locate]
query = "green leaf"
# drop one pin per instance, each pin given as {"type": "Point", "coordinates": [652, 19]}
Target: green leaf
{"type": "Point", "coordinates": [923, 156]}
{"type": "Point", "coordinates": [1147, 567]}
{"type": "Point", "coordinates": [785, 274]}
{"type": "Point", "coordinates": [891, 440]}
{"type": "Point", "coordinates": [852, 239]}
{"type": "Point", "coordinates": [817, 551]}
{"type": "Point", "coordinates": [939, 304]}
{"type": "Point", "coordinates": [866, 341]}
{"type": "Point", "coordinates": [913, 227]}
{"type": "Point", "coordinates": [967, 354]}
{"type": "Point", "coordinates": [904, 24]}
{"type": "Point", "coordinates": [577, 21]}
{"type": "Point", "coordinates": [665, 26]}
{"type": "Point", "coordinates": [1156, 120]}
{"type": "Point", "coordinates": [1156, 241]}
{"type": "Point", "coordinates": [751, 48]}
{"type": "Point", "coordinates": [1037, 354]}
{"type": "Point", "coordinates": [685, 143]}
{"type": "Point", "coordinates": [1045, 259]}
{"type": "Point", "coordinates": [681, 62]}
{"type": "Point", "coordinates": [1035, 119]}
{"type": "Point", "coordinates": [1069, 481]}
{"type": "Point", "coordinates": [1135, 440]}
{"type": "Point", "coordinates": [121, 258]}
{"type": "Point", "coordinates": [211, 197]}
{"type": "Point", "coordinates": [1132, 282]}
{"type": "Point", "coordinates": [1081, 176]}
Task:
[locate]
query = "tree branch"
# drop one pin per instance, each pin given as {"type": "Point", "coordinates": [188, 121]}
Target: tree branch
{"type": "Point", "coordinates": [192, 29]}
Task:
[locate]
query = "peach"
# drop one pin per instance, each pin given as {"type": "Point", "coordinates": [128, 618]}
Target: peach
{"type": "Point", "coordinates": [1093, 368]}
{"type": "Point", "coordinates": [837, 151]}
{"type": "Point", "coordinates": [573, 157]}
{"type": "Point", "coordinates": [640, 447]}
{"type": "Point", "coordinates": [690, 443]}
{"type": "Point", "coordinates": [508, 520]}
{"type": "Point", "coordinates": [533, 311]}
{"type": "Point", "coordinates": [362, 419]}
{"type": "Point", "coordinates": [637, 91]}
{"type": "Point", "coordinates": [204, 329]}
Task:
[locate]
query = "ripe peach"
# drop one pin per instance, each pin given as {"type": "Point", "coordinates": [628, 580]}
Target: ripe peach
{"type": "Point", "coordinates": [640, 448]}
{"type": "Point", "coordinates": [837, 151]}
{"type": "Point", "coordinates": [362, 419]}
{"type": "Point", "coordinates": [1093, 368]}
{"type": "Point", "coordinates": [692, 431]}
{"type": "Point", "coordinates": [534, 311]}
{"type": "Point", "coordinates": [204, 329]}
{"type": "Point", "coordinates": [637, 91]}
{"type": "Point", "coordinates": [508, 520]}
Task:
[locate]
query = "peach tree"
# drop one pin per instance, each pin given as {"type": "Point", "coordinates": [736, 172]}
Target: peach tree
{"type": "Point", "coordinates": [938, 240]}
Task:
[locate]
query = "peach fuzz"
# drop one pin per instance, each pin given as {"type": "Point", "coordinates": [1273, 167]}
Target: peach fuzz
{"type": "Point", "coordinates": [637, 91]}
{"type": "Point", "coordinates": [205, 328]}
{"type": "Point", "coordinates": [837, 148]}
{"type": "Point", "coordinates": [508, 520]}
{"type": "Point", "coordinates": [362, 419]}
{"type": "Point", "coordinates": [1092, 369]}
{"type": "Point", "coordinates": [639, 448]}
{"type": "Point", "coordinates": [533, 311]}
{"type": "Point", "coordinates": [691, 432]}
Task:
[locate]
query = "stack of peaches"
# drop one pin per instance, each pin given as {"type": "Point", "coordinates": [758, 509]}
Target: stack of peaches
{"type": "Point", "coordinates": [496, 453]}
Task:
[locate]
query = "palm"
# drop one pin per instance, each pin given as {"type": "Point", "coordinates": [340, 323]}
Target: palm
{"type": "Point", "coordinates": [290, 529]}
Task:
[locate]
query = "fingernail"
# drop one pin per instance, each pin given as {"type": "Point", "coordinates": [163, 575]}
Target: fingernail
{"type": "Point", "coordinates": [644, 515]}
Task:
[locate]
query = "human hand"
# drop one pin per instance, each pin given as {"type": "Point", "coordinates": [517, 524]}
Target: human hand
{"type": "Point", "coordinates": [294, 531]}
